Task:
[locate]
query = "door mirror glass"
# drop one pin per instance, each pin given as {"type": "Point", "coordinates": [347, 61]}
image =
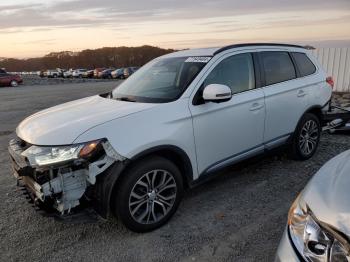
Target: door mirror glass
{"type": "Point", "coordinates": [217, 93]}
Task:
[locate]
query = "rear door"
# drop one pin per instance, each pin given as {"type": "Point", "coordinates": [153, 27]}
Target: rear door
{"type": "Point", "coordinates": [285, 96]}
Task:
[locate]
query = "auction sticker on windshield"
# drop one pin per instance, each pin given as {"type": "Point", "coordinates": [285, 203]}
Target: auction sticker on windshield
{"type": "Point", "coordinates": [198, 59]}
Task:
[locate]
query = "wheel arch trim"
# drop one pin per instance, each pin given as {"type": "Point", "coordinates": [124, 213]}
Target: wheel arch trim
{"type": "Point", "coordinates": [185, 167]}
{"type": "Point", "coordinates": [107, 182]}
{"type": "Point", "coordinates": [316, 110]}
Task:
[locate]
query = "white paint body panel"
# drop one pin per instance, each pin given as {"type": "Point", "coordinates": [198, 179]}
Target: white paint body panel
{"type": "Point", "coordinates": [283, 108]}
{"type": "Point", "coordinates": [164, 124]}
{"type": "Point", "coordinates": [62, 124]}
{"type": "Point", "coordinates": [223, 130]}
{"type": "Point", "coordinates": [286, 102]}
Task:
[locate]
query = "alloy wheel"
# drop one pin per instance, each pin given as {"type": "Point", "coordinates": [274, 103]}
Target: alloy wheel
{"type": "Point", "coordinates": [309, 136]}
{"type": "Point", "coordinates": [152, 197]}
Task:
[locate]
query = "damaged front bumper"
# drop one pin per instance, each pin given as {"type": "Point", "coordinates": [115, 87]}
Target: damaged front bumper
{"type": "Point", "coordinates": [61, 188]}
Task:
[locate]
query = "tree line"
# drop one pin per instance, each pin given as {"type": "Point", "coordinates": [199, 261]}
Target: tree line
{"type": "Point", "coordinates": [90, 58]}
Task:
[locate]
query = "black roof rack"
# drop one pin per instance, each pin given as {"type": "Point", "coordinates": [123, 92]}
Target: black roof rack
{"type": "Point", "coordinates": [253, 44]}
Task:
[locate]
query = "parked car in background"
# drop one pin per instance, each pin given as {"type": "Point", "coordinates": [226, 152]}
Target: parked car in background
{"type": "Point", "coordinates": [318, 227]}
{"type": "Point", "coordinates": [7, 79]}
{"type": "Point", "coordinates": [129, 71]}
{"type": "Point", "coordinates": [40, 73]}
{"type": "Point", "coordinates": [105, 73]}
{"type": "Point", "coordinates": [118, 73]}
{"type": "Point", "coordinates": [180, 119]}
{"type": "Point", "coordinates": [68, 73]}
{"type": "Point", "coordinates": [88, 74]}
{"type": "Point", "coordinates": [97, 70]}
{"type": "Point", "coordinates": [54, 73]}
{"type": "Point", "coordinates": [78, 72]}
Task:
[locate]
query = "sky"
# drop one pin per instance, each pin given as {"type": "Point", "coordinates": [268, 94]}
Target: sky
{"type": "Point", "coordinates": [32, 28]}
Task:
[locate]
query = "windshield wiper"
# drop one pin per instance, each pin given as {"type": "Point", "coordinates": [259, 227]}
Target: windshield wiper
{"type": "Point", "coordinates": [125, 98]}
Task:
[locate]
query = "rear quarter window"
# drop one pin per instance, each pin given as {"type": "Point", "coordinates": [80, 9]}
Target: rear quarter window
{"type": "Point", "coordinates": [278, 67]}
{"type": "Point", "coordinates": [304, 64]}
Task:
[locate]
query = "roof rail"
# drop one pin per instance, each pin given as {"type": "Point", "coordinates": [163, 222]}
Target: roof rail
{"type": "Point", "coordinates": [253, 44]}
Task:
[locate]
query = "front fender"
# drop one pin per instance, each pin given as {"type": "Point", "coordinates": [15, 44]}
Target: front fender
{"type": "Point", "coordinates": [165, 124]}
{"type": "Point", "coordinates": [105, 186]}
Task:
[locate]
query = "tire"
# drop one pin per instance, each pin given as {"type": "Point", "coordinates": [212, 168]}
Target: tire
{"type": "Point", "coordinates": [306, 137]}
{"type": "Point", "coordinates": [13, 83]}
{"type": "Point", "coordinates": [136, 197]}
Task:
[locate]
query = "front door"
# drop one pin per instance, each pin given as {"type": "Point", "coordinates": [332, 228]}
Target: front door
{"type": "Point", "coordinates": [229, 131]}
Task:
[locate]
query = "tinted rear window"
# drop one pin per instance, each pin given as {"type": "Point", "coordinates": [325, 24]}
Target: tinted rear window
{"type": "Point", "coordinates": [278, 67]}
{"type": "Point", "coordinates": [304, 64]}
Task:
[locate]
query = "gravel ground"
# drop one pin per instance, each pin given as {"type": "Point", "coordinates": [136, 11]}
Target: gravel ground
{"type": "Point", "coordinates": [239, 216]}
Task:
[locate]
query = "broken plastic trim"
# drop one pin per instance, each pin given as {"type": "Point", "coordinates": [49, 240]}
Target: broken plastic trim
{"type": "Point", "coordinates": [71, 181]}
{"type": "Point", "coordinates": [101, 165]}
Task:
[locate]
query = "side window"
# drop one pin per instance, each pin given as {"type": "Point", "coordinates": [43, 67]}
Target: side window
{"type": "Point", "coordinates": [237, 72]}
{"type": "Point", "coordinates": [278, 67]}
{"type": "Point", "coordinates": [304, 64]}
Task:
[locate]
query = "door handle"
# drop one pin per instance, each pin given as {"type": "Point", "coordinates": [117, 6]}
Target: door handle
{"type": "Point", "coordinates": [301, 93]}
{"type": "Point", "coordinates": [256, 106]}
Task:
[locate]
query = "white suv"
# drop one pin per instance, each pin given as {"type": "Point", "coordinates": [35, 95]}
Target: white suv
{"type": "Point", "coordinates": [78, 72]}
{"type": "Point", "coordinates": [176, 121]}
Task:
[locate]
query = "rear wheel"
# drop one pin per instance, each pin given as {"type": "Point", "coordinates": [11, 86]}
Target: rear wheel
{"type": "Point", "coordinates": [13, 83]}
{"type": "Point", "coordinates": [148, 194]}
{"type": "Point", "coordinates": [306, 137]}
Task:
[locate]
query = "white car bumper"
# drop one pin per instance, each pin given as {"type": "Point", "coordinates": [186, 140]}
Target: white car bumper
{"type": "Point", "coordinates": [285, 251]}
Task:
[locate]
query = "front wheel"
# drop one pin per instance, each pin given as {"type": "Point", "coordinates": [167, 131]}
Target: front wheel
{"type": "Point", "coordinates": [13, 83]}
{"type": "Point", "coordinates": [306, 137]}
{"type": "Point", "coordinates": [148, 194]}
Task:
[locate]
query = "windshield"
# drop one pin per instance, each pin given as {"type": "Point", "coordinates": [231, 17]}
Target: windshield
{"type": "Point", "coordinates": [161, 80]}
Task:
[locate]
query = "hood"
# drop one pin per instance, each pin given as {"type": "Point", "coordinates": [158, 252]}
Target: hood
{"type": "Point", "coordinates": [328, 193]}
{"type": "Point", "coordinates": [62, 124]}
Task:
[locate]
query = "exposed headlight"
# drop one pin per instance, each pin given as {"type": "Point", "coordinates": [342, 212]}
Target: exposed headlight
{"type": "Point", "coordinates": [314, 240]}
{"type": "Point", "coordinates": [44, 156]}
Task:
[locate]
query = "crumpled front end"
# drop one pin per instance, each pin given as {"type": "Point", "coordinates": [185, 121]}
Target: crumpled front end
{"type": "Point", "coordinates": [61, 188]}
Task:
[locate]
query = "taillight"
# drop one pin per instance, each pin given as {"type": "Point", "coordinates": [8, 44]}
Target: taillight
{"type": "Point", "coordinates": [330, 81]}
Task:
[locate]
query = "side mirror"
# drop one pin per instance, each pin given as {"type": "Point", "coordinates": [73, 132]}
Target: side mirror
{"type": "Point", "coordinates": [217, 93]}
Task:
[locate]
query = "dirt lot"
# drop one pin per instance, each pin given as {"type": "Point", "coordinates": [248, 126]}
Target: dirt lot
{"type": "Point", "coordinates": [240, 216]}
